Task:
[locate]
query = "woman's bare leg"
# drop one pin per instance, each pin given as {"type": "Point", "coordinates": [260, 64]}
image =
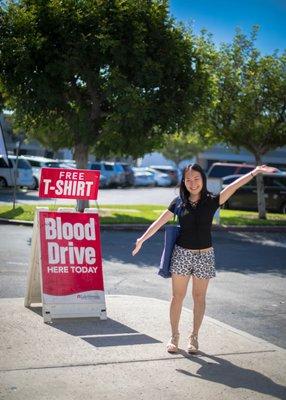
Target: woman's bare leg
{"type": "Point", "coordinates": [199, 296]}
{"type": "Point", "coordinates": [179, 289]}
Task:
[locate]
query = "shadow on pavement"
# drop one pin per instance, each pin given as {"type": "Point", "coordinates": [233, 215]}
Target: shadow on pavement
{"type": "Point", "coordinates": [99, 333]}
{"type": "Point", "coordinates": [7, 195]}
{"type": "Point", "coordinates": [233, 253]}
{"type": "Point", "coordinates": [122, 340]}
{"type": "Point", "coordinates": [91, 326]}
{"type": "Point", "coordinates": [225, 372]}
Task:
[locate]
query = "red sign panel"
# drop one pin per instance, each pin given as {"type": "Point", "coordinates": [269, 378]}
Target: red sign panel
{"type": "Point", "coordinates": [70, 255]}
{"type": "Point", "coordinates": [81, 184]}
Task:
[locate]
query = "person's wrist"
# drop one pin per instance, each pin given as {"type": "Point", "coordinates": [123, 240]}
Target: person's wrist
{"type": "Point", "coordinates": [254, 172]}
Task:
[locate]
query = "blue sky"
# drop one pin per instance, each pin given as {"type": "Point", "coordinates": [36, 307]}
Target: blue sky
{"type": "Point", "coordinates": [221, 17]}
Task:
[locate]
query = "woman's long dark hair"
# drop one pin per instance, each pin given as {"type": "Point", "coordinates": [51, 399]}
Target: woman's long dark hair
{"type": "Point", "coordinates": [184, 193]}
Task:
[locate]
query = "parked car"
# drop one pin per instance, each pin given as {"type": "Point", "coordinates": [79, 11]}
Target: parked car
{"type": "Point", "coordinates": [107, 170]}
{"type": "Point", "coordinates": [168, 169]}
{"type": "Point", "coordinates": [219, 170]}
{"type": "Point", "coordinates": [161, 179]}
{"type": "Point", "coordinates": [119, 174]}
{"type": "Point", "coordinates": [128, 174]}
{"type": "Point", "coordinates": [24, 173]}
{"type": "Point", "coordinates": [142, 177]}
{"type": "Point", "coordinates": [102, 181]}
{"type": "Point", "coordinates": [37, 164]}
{"type": "Point", "coordinates": [226, 180]}
{"type": "Point", "coordinates": [245, 198]}
{"type": "Point", "coordinates": [67, 164]}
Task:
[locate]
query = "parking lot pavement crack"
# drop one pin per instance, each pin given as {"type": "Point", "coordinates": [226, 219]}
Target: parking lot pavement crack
{"type": "Point", "coordinates": [119, 282]}
{"type": "Point", "coordinates": [77, 365]}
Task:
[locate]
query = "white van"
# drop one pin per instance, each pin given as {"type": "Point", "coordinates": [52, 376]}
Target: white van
{"type": "Point", "coordinates": [37, 164]}
{"type": "Point", "coordinates": [24, 174]}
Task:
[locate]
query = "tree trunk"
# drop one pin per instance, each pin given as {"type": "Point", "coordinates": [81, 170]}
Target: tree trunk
{"type": "Point", "coordinates": [81, 158]}
{"type": "Point", "coordinates": [260, 191]}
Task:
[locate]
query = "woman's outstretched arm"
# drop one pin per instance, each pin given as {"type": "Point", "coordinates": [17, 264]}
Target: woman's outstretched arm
{"type": "Point", "coordinates": [230, 189]}
{"type": "Point", "coordinates": [163, 219]}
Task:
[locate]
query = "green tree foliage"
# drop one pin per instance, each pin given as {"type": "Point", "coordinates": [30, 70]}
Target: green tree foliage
{"type": "Point", "coordinates": [248, 105]}
{"type": "Point", "coordinates": [189, 142]}
{"type": "Point", "coordinates": [111, 75]}
{"type": "Point", "coordinates": [180, 146]}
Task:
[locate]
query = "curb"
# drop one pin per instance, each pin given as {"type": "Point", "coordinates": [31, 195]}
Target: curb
{"type": "Point", "coordinates": [143, 227]}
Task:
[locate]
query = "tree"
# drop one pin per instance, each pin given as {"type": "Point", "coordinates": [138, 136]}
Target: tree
{"type": "Point", "coordinates": [110, 75]}
{"type": "Point", "coordinates": [188, 143]}
{"type": "Point", "coordinates": [180, 146]}
{"type": "Point", "coordinates": [248, 108]}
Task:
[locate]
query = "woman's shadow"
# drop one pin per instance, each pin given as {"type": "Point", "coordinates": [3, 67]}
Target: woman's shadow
{"type": "Point", "coordinates": [224, 372]}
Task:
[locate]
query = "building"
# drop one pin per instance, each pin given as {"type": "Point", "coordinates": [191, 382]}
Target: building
{"type": "Point", "coordinates": [219, 153]}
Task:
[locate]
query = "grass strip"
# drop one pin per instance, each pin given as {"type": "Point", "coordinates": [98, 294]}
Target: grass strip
{"type": "Point", "coordinates": [145, 214]}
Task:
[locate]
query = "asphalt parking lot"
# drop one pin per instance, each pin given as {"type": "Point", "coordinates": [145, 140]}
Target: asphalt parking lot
{"type": "Point", "coordinates": [152, 195]}
{"type": "Point", "coordinates": [248, 292]}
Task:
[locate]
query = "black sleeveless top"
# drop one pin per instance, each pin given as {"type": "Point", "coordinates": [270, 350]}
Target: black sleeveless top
{"type": "Point", "coordinates": [195, 222]}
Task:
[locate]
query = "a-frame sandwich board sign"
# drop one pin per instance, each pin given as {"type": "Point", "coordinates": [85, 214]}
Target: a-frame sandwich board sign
{"type": "Point", "coordinates": [65, 271]}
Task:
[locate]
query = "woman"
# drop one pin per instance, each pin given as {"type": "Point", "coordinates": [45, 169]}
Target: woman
{"type": "Point", "coordinates": [193, 254]}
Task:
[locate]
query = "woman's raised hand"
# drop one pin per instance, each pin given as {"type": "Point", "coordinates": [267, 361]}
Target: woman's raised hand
{"type": "Point", "coordinates": [264, 169]}
{"type": "Point", "coordinates": [137, 247]}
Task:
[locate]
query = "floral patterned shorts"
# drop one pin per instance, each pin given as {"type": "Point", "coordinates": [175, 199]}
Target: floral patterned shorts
{"type": "Point", "coordinates": [186, 262]}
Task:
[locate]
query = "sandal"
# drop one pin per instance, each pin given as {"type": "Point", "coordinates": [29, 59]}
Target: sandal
{"type": "Point", "coordinates": [193, 344]}
{"type": "Point", "coordinates": [172, 346]}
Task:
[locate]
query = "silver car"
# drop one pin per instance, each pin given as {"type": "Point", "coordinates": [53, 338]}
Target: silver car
{"type": "Point", "coordinates": [106, 169]}
{"type": "Point", "coordinates": [24, 173]}
{"type": "Point", "coordinates": [161, 179]}
{"type": "Point", "coordinates": [143, 177]}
